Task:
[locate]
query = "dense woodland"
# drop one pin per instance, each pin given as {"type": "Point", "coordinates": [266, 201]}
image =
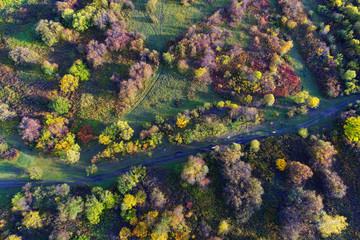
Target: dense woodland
{"type": "Point", "coordinates": [94, 92]}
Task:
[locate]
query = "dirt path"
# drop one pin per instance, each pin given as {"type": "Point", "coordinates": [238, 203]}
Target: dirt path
{"type": "Point", "coordinates": [315, 117]}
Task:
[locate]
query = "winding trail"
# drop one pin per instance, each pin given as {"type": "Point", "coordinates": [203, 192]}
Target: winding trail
{"type": "Point", "coordinates": [315, 117]}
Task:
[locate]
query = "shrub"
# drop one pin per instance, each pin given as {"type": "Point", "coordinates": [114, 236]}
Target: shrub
{"type": "Point", "coordinates": [24, 56]}
{"type": "Point", "coordinates": [281, 164]}
{"type": "Point", "coordinates": [349, 75]}
{"type": "Point", "coordinates": [49, 68]}
{"type": "Point", "coordinates": [224, 227]}
{"type": "Point", "coordinates": [60, 105]}
{"type": "Point", "coordinates": [168, 58]}
{"type": "Point", "coordinates": [35, 173]}
{"type": "Point", "coordinates": [72, 156]}
{"type": "Point", "coordinates": [91, 170]}
{"type": "Point", "coordinates": [85, 134]}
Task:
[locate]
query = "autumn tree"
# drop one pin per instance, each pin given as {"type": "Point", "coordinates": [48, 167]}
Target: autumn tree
{"type": "Point", "coordinates": [313, 102]}
{"type": "Point", "coordinates": [334, 185]}
{"type": "Point", "coordinates": [322, 155]}
{"type": "Point", "coordinates": [329, 225]}
{"type": "Point", "coordinates": [79, 70]}
{"type": "Point", "coordinates": [69, 83]}
{"type": "Point", "coordinates": [71, 209]}
{"type": "Point", "coordinates": [24, 56]}
{"type": "Point", "coordinates": [49, 31]}
{"type": "Point", "coordinates": [194, 172]}
{"type": "Point", "coordinates": [30, 129]}
{"type": "Point", "coordinates": [269, 99]}
{"type": "Point", "coordinates": [255, 145]}
{"type": "Point", "coordinates": [125, 233]}
{"type": "Point", "coordinates": [95, 53]}
{"type": "Point", "coordinates": [60, 105]}
{"type": "Point", "coordinates": [298, 173]}
{"type": "Point", "coordinates": [32, 219]}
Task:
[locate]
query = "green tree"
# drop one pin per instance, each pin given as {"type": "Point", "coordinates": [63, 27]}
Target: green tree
{"type": "Point", "coordinates": [93, 209]}
{"type": "Point", "coordinates": [352, 128]}
{"type": "Point", "coordinates": [70, 209]}
{"type": "Point", "coordinates": [301, 97]}
{"type": "Point", "coordinates": [60, 105]}
{"type": "Point", "coordinates": [79, 69]}
{"type": "Point", "coordinates": [349, 75]}
{"type": "Point", "coordinates": [169, 58]}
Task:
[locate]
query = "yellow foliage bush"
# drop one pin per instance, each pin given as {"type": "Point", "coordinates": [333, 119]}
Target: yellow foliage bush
{"type": "Point", "coordinates": [69, 83]}
{"type": "Point", "coordinates": [281, 164]}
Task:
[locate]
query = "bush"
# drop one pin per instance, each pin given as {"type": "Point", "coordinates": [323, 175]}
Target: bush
{"type": "Point", "coordinates": [72, 156]}
{"type": "Point", "coordinates": [24, 56]}
{"type": "Point", "coordinates": [313, 102]}
{"type": "Point", "coordinates": [60, 105]}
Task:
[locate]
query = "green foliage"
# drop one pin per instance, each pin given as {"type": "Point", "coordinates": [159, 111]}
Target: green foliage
{"type": "Point", "coordinates": [91, 170]}
{"type": "Point", "coordinates": [49, 31]}
{"type": "Point", "coordinates": [117, 131]}
{"type": "Point", "coordinates": [70, 209]}
{"type": "Point", "coordinates": [151, 6]}
{"type": "Point", "coordinates": [60, 105]}
{"type": "Point", "coordinates": [169, 58]}
{"type": "Point", "coordinates": [352, 129]}
{"type": "Point", "coordinates": [93, 209]}
{"type": "Point", "coordinates": [79, 70]}
{"type": "Point", "coordinates": [82, 18]}
{"type": "Point", "coordinates": [349, 75]}
{"type": "Point", "coordinates": [72, 156]}
{"type": "Point", "coordinates": [301, 97]}
{"type": "Point", "coordinates": [129, 180]}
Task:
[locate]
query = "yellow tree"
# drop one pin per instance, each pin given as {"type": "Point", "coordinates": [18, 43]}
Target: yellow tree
{"type": "Point", "coordinates": [313, 102]}
{"type": "Point", "coordinates": [32, 220]}
{"type": "Point", "coordinates": [286, 47]}
{"type": "Point", "coordinates": [224, 227]}
{"type": "Point", "coordinates": [329, 225]}
{"type": "Point", "coordinates": [281, 164]}
{"type": "Point", "coordinates": [352, 128]}
{"type": "Point", "coordinates": [128, 202]}
{"type": "Point", "coordinates": [140, 230]}
{"type": "Point", "coordinates": [125, 233]}
{"type": "Point", "coordinates": [182, 121]}
{"type": "Point", "coordinates": [69, 83]}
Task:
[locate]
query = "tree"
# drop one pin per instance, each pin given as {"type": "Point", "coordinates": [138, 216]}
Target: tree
{"type": "Point", "coordinates": [85, 134]}
{"type": "Point", "coordinates": [92, 169]}
{"type": "Point", "coordinates": [286, 47]}
{"type": "Point", "coordinates": [157, 198]}
{"type": "Point", "coordinates": [301, 97]}
{"type": "Point", "coordinates": [224, 227]}
{"type": "Point", "coordinates": [303, 132]}
{"type": "Point", "coordinates": [298, 173]}
{"type": "Point", "coordinates": [328, 225]}
{"type": "Point", "coordinates": [125, 233]}
{"type": "Point", "coordinates": [182, 121]}
{"type": "Point", "coordinates": [349, 75]}
{"type": "Point", "coordinates": [69, 83]}
{"type": "Point", "coordinates": [151, 6]}
{"type": "Point", "coordinates": [313, 102]}
{"type": "Point", "coordinates": [30, 129]}
{"type": "Point", "coordinates": [352, 128]}
{"type": "Point", "coordinates": [269, 99]}
{"type": "Point", "coordinates": [129, 202]}
{"type": "Point", "coordinates": [335, 187]}
{"type": "Point", "coordinates": [24, 56]}
{"type": "Point", "coordinates": [79, 70]}
{"type": "Point", "coordinates": [93, 209]}
{"type": "Point", "coordinates": [5, 113]}
{"type": "Point", "coordinates": [31, 220]}
{"type": "Point", "coordinates": [72, 156]}
{"type": "Point", "coordinates": [60, 105]}
{"type": "Point", "coordinates": [13, 237]}
{"type": "Point", "coordinates": [255, 145]}
{"type": "Point", "coordinates": [194, 172]}
{"type": "Point", "coordinates": [322, 155]}
{"type": "Point", "coordinates": [35, 173]}
{"type": "Point", "coordinates": [49, 31]}
{"type": "Point", "coordinates": [140, 230]}
{"type": "Point", "coordinates": [70, 209]}
{"type": "Point", "coordinates": [96, 52]}
{"type": "Point", "coordinates": [168, 58]}
{"type": "Point", "coordinates": [281, 164]}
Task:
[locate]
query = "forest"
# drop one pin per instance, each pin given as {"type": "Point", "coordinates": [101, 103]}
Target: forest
{"type": "Point", "coordinates": [191, 119]}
